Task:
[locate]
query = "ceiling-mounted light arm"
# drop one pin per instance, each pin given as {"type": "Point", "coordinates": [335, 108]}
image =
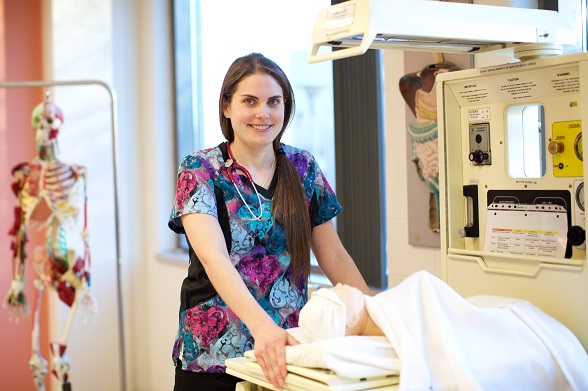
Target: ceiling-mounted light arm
{"type": "Point", "coordinates": [350, 19]}
{"type": "Point", "coordinates": [432, 26]}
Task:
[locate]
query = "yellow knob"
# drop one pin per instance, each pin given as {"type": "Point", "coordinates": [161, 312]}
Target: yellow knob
{"type": "Point", "coordinates": [555, 147]}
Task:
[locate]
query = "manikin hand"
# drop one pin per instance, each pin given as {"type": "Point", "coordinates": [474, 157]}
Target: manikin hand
{"type": "Point", "coordinates": [270, 352]}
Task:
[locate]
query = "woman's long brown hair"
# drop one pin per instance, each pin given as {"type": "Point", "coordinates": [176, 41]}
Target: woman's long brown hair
{"type": "Point", "coordinates": [289, 206]}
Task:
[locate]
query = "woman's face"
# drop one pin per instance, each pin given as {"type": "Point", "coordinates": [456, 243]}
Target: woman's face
{"type": "Point", "coordinates": [256, 110]}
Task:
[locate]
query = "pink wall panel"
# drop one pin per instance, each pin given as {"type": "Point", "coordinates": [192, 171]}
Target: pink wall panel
{"type": "Point", "coordinates": [21, 58]}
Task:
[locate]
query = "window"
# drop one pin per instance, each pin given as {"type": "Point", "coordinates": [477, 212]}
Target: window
{"type": "Point", "coordinates": [526, 141]}
{"type": "Point", "coordinates": [211, 34]}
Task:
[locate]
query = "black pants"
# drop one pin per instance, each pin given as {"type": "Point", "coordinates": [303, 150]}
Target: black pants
{"type": "Point", "coordinates": [192, 381]}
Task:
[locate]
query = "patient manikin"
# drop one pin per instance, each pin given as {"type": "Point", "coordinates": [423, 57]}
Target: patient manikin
{"type": "Point", "coordinates": [435, 339]}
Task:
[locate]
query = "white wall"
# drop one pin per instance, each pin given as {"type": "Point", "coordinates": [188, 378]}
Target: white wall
{"type": "Point", "coordinates": [403, 259]}
{"type": "Point", "coordinates": [143, 78]}
{"type": "Point", "coordinates": [155, 296]}
{"type": "Point", "coordinates": [79, 48]}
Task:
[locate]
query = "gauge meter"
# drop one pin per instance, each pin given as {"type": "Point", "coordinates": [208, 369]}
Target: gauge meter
{"type": "Point", "coordinates": [578, 148]}
{"type": "Point", "coordinates": [580, 196]}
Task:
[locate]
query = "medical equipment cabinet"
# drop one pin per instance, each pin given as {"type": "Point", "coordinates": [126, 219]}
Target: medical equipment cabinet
{"type": "Point", "coordinates": [512, 172]}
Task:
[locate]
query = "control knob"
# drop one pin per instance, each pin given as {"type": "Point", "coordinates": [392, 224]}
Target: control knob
{"type": "Point", "coordinates": [478, 156]}
{"type": "Point", "coordinates": [555, 147]}
{"type": "Point", "coordinates": [576, 235]}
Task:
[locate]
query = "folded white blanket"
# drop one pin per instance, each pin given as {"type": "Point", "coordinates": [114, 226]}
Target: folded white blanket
{"type": "Point", "coordinates": [438, 340]}
{"type": "Point", "coordinates": [353, 357]}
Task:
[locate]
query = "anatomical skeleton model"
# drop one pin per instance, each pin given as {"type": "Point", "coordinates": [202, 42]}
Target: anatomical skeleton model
{"type": "Point", "coordinates": [48, 196]}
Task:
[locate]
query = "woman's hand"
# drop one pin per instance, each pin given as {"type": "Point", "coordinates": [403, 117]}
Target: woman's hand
{"type": "Point", "coordinates": [270, 352]}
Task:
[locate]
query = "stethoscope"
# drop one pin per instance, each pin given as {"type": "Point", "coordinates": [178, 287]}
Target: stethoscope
{"type": "Point", "coordinates": [231, 167]}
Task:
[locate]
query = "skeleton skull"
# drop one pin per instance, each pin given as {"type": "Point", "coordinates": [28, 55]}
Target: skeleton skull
{"type": "Point", "coordinates": [46, 120]}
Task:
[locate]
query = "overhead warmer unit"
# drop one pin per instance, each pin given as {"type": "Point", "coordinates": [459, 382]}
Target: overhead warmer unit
{"type": "Point", "coordinates": [434, 26]}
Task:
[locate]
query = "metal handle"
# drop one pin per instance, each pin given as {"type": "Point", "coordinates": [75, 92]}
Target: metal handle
{"type": "Point", "coordinates": [472, 227]}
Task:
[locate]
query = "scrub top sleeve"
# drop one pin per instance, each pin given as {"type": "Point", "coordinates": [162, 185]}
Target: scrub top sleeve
{"type": "Point", "coordinates": [327, 204]}
{"type": "Point", "coordinates": [194, 192]}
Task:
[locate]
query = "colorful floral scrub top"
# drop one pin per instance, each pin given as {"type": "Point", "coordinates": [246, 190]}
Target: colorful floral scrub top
{"type": "Point", "coordinates": [209, 332]}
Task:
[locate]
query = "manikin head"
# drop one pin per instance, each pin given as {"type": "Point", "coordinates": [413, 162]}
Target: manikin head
{"type": "Point", "coordinates": [46, 120]}
{"type": "Point", "coordinates": [334, 312]}
{"type": "Point", "coordinates": [356, 314]}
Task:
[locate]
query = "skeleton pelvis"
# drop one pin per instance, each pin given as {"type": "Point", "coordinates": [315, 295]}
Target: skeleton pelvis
{"type": "Point", "coordinates": [57, 275]}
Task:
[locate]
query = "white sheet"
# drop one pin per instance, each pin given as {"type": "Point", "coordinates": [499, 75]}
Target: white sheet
{"type": "Point", "coordinates": [445, 342]}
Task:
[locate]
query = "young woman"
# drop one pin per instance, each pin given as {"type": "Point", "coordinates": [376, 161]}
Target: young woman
{"type": "Point", "coordinates": [251, 209]}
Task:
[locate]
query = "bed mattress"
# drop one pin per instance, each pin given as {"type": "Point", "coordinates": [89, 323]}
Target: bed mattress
{"type": "Point", "coordinates": [308, 379]}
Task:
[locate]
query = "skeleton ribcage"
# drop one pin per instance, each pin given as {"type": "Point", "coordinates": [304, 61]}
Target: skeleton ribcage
{"type": "Point", "coordinates": [54, 183]}
{"type": "Point", "coordinates": [60, 191]}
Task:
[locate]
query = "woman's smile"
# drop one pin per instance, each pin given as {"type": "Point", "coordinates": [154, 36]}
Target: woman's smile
{"type": "Point", "coordinates": [261, 127]}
